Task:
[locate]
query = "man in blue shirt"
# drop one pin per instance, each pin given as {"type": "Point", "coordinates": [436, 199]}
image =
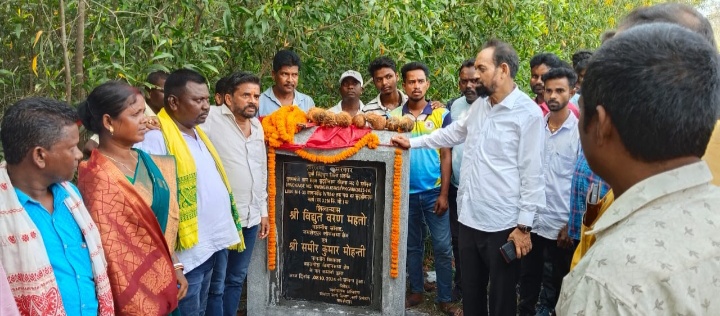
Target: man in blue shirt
{"type": "Point", "coordinates": [39, 138]}
{"type": "Point", "coordinates": [429, 184]}
{"type": "Point", "coordinates": [286, 69]}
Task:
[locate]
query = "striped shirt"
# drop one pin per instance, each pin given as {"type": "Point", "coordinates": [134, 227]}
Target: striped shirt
{"type": "Point", "coordinates": [375, 105]}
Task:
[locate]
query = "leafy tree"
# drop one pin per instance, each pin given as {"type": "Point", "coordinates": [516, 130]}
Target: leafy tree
{"type": "Point", "coordinates": [130, 38]}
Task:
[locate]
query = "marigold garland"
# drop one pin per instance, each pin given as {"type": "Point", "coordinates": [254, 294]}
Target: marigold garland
{"type": "Point", "coordinates": [280, 126]}
{"type": "Point", "coordinates": [272, 193]}
{"type": "Point", "coordinates": [395, 226]}
{"type": "Point", "coordinates": [371, 140]}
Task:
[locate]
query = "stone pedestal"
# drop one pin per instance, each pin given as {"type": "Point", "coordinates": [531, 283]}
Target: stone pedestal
{"type": "Point", "coordinates": [333, 246]}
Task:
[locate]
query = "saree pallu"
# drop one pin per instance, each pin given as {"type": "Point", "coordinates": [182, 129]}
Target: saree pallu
{"type": "Point", "coordinates": [140, 267]}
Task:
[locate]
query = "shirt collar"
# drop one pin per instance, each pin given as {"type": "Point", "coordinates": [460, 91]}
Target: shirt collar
{"type": "Point", "coordinates": [339, 105]}
{"type": "Point", "coordinates": [403, 99]}
{"type": "Point", "coordinates": [427, 110]}
{"type": "Point", "coordinates": [570, 122]}
{"type": "Point", "coordinates": [297, 96]}
{"type": "Point", "coordinates": [509, 101]}
{"type": "Point", "coordinates": [651, 189]}
{"type": "Point", "coordinates": [57, 191]}
{"type": "Point", "coordinates": [225, 110]}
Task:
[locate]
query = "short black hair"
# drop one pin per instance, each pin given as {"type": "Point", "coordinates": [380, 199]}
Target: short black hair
{"type": "Point", "coordinates": [660, 85]}
{"type": "Point", "coordinates": [284, 58]}
{"type": "Point", "coordinates": [504, 53]}
{"type": "Point", "coordinates": [675, 13]}
{"type": "Point", "coordinates": [467, 63]}
{"type": "Point", "coordinates": [379, 63]}
{"type": "Point", "coordinates": [109, 98]}
{"type": "Point", "coordinates": [415, 65]}
{"type": "Point", "coordinates": [178, 79]}
{"type": "Point", "coordinates": [580, 60]}
{"type": "Point", "coordinates": [221, 85]}
{"type": "Point", "coordinates": [548, 59]}
{"type": "Point", "coordinates": [238, 78]}
{"type": "Point", "coordinates": [155, 77]}
{"type": "Point", "coordinates": [561, 72]}
{"type": "Point", "coordinates": [33, 122]}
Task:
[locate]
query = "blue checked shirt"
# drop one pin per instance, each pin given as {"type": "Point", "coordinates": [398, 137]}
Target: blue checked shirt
{"type": "Point", "coordinates": [582, 178]}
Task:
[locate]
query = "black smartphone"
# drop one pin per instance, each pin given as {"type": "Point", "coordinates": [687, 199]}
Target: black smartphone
{"type": "Point", "coordinates": [508, 251]}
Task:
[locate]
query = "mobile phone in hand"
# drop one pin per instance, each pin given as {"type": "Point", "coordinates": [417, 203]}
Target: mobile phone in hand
{"type": "Point", "coordinates": [508, 251]}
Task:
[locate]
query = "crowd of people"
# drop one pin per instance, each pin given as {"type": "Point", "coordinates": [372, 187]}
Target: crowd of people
{"type": "Point", "coordinates": [589, 198]}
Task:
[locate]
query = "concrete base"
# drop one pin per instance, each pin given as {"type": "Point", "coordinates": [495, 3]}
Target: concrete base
{"type": "Point", "coordinates": [264, 286]}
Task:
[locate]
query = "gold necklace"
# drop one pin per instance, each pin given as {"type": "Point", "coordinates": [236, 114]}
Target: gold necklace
{"type": "Point", "coordinates": [122, 164]}
{"type": "Point", "coordinates": [552, 128]}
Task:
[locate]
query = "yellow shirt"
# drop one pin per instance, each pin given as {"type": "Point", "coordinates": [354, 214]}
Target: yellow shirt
{"type": "Point", "coordinates": [712, 154]}
{"type": "Point", "coordinates": [586, 241]}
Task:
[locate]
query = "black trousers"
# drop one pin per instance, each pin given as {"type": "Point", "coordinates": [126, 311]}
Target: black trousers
{"type": "Point", "coordinates": [482, 263]}
{"type": "Point", "coordinates": [531, 275]}
{"type": "Point", "coordinates": [455, 233]}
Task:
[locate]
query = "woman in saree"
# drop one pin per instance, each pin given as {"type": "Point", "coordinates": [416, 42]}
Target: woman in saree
{"type": "Point", "coordinates": [131, 196]}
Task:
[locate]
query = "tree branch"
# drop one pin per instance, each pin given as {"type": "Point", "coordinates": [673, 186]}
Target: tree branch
{"type": "Point", "coordinates": [66, 57]}
{"type": "Point", "coordinates": [80, 50]}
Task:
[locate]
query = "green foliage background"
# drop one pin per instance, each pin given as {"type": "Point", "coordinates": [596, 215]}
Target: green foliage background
{"type": "Point", "coordinates": [129, 38]}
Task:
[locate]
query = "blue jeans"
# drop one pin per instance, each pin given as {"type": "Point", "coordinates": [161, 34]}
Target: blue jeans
{"type": "Point", "coordinates": [422, 209]}
{"type": "Point", "coordinates": [199, 285]}
{"type": "Point", "coordinates": [213, 304]}
{"type": "Point", "coordinates": [237, 267]}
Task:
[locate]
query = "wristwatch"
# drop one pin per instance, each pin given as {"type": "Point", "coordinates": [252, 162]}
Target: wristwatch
{"type": "Point", "coordinates": [524, 229]}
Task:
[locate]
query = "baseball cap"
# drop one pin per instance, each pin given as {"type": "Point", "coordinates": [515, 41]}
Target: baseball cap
{"type": "Point", "coordinates": [353, 74]}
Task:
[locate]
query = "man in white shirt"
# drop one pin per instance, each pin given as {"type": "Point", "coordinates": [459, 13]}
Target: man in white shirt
{"type": "Point", "coordinates": [561, 150]}
{"type": "Point", "coordinates": [502, 184]}
{"type": "Point", "coordinates": [239, 139]}
{"type": "Point", "coordinates": [657, 250]}
{"type": "Point", "coordinates": [351, 88]}
{"type": "Point", "coordinates": [187, 105]}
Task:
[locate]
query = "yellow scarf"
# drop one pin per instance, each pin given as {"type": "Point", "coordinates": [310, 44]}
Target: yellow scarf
{"type": "Point", "coordinates": [187, 183]}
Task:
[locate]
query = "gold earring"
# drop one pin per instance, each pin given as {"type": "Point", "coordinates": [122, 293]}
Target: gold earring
{"type": "Point", "coordinates": [112, 132]}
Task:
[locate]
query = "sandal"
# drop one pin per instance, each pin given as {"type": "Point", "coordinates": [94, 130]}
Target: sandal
{"type": "Point", "coordinates": [450, 309]}
{"type": "Point", "coordinates": [414, 299]}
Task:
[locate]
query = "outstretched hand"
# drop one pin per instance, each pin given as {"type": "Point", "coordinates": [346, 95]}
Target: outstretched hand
{"type": "Point", "coordinates": [400, 141]}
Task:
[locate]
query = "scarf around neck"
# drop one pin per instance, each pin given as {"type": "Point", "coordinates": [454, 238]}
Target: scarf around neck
{"type": "Point", "coordinates": [187, 183]}
{"type": "Point", "coordinates": [26, 262]}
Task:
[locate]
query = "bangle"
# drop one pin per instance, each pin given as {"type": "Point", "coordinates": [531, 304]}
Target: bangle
{"type": "Point", "coordinates": [179, 266]}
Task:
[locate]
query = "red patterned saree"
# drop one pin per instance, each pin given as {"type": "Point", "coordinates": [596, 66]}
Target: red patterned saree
{"type": "Point", "coordinates": [134, 220]}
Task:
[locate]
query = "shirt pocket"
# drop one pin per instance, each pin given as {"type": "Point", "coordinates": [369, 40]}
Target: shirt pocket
{"type": "Point", "coordinates": [494, 141]}
{"type": "Point", "coordinates": [563, 162]}
{"type": "Point", "coordinates": [256, 153]}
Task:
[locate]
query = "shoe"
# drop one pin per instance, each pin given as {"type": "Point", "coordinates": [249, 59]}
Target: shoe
{"type": "Point", "coordinates": [414, 299]}
{"type": "Point", "coordinates": [450, 309]}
